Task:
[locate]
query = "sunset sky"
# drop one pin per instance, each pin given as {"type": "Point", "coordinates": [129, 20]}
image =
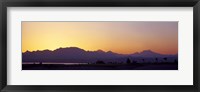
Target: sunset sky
{"type": "Point", "coordinates": [120, 37]}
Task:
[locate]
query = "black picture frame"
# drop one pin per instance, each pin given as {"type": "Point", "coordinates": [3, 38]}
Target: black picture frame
{"type": "Point", "coordinates": [98, 3]}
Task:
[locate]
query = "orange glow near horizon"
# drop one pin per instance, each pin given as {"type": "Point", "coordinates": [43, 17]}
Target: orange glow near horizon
{"type": "Point", "coordinates": [120, 37]}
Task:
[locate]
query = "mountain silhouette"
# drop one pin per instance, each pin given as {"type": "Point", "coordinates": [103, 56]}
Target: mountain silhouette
{"type": "Point", "coordinates": [78, 55]}
{"type": "Point", "coordinates": [148, 53]}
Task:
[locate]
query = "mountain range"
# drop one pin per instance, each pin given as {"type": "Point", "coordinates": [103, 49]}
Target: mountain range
{"type": "Point", "coordinates": [78, 55]}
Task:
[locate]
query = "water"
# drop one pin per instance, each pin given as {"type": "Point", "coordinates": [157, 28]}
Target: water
{"type": "Point", "coordinates": [55, 63]}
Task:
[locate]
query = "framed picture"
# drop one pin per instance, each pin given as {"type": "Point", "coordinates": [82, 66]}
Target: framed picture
{"type": "Point", "coordinates": [101, 45]}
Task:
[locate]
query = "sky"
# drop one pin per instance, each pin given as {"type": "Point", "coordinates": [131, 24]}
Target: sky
{"type": "Point", "coordinates": [124, 37]}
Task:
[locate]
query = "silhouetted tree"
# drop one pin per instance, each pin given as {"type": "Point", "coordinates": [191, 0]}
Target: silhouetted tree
{"type": "Point", "coordinates": [128, 61]}
{"type": "Point", "coordinates": [175, 61]}
{"type": "Point", "coordinates": [165, 59]}
{"type": "Point", "coordinates": [100, 62]}
{"type": "Point", "coordinates": [156, 59]}
{"type": "Point", "coordinates": [143, 60]}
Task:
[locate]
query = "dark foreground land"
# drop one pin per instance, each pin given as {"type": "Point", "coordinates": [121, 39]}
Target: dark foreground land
{"type": "Point", "coordinates": [146, 66]}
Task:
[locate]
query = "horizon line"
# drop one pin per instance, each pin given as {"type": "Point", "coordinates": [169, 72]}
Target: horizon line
{"type": "Point", "coordinates": [98, 50]}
